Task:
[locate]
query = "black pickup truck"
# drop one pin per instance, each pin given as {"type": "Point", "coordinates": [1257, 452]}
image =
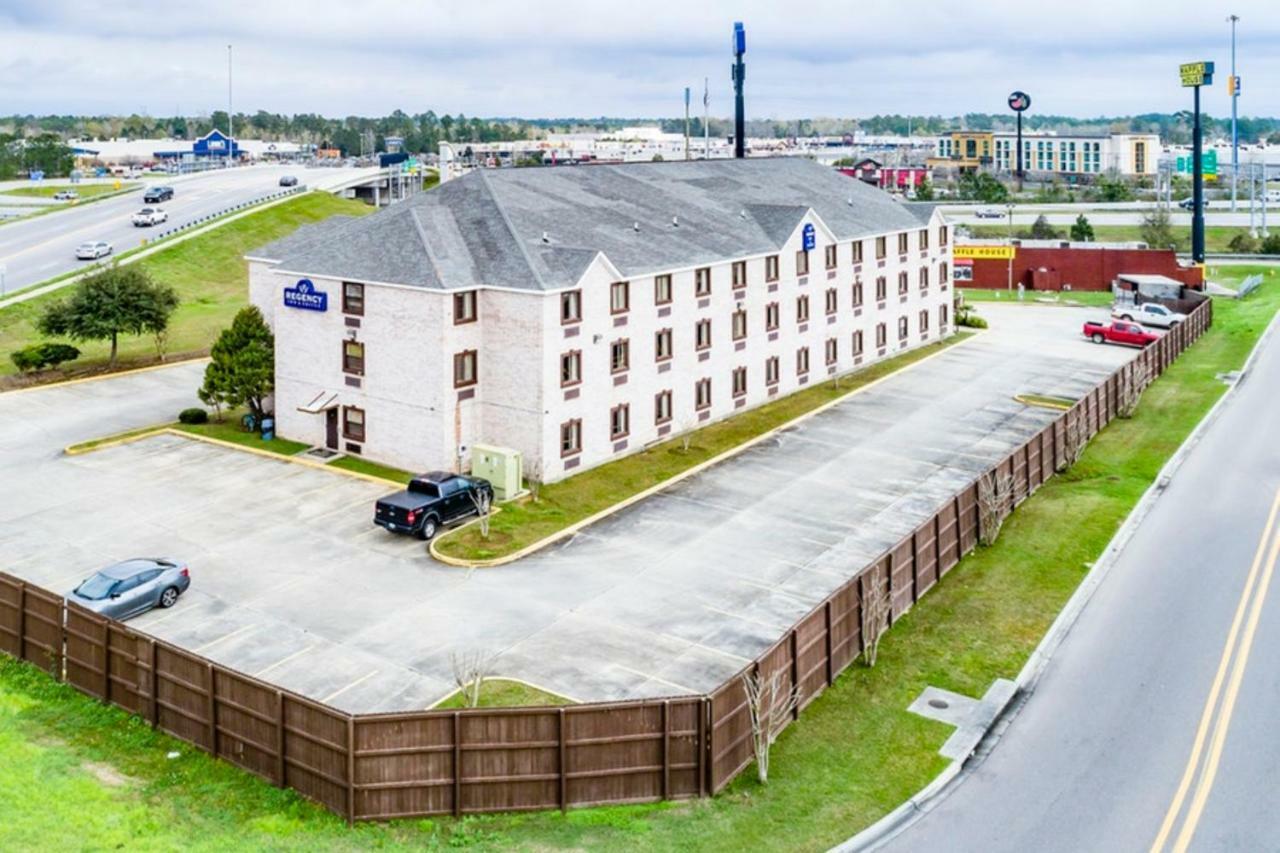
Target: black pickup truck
{"type": "Point", "coordinates": [432, 499]}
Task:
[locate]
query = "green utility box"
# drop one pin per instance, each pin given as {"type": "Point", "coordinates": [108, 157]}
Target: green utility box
{"type": "Point", "coordinates": [501, 466]}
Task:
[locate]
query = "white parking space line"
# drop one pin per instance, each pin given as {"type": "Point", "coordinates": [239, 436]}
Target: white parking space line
{"type": "Point", "coordinates": [772, 626]}
{"type": "Point", "coordinates": [339, 692]}
{"type": "Point", "coordinates": [650, 677]}
{"type": "Point", "coordinates": [283, 661]}
{"type": "Point", "coordinates": [235, 633]}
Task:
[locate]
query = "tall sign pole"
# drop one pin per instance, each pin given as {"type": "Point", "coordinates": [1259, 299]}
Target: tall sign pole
{"type": "Point", "coordinates": [706, 118]}
{"type": "Point", "coordinates": [1233, 89]}
{"type": "Point", "coordinates": [1195, 75]}
{"type": "Point", "coordinates": [686, 122]}
{"type": "Point", "coordinates": [1019, 102]}
{"type": "Point", "coordinates": [231, 122]}
{"type": "Point", "coordinates": [739, 75]}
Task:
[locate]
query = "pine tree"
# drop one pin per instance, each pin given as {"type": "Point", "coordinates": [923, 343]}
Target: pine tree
{"type": "Point", "coordinates": [241, 370]}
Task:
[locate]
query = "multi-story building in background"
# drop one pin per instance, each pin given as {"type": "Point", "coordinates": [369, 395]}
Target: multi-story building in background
{"type": "Point", "coordinates": [1071, 156]}
{"type": "Point", "coordinates": [579, 314]}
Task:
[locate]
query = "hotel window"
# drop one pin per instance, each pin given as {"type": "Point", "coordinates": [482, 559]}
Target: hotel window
{"type": "Point", "coordinates": [464, 307]}
{"type": "Point", "coordinates": [619, 297]}
{"type": "Point", "coordinates": [464, 369]}
{"type": "Point", "coordinates": [702, 281]}
{"type": "Point", "coordinates": [924, 278]}
{"type": "Point", "coordinates": [802, 361]}
{"type": "Point", "coordinates": [661, 289]}
{"type": "Point", "coordinates": [620, 421]}
{"type": "Point", "coordinates": [882, 289]}
{"type": "Point", "coordinates": [942, 316]}
{"type": "Point", "coordinates": [924, 321]}
{"type": "Point", "coordinates": [739, 382]}
{"type": "Point", "coordinates": [833, 300]}
{"type": "Point", "coordinates": [904, 283]}
{"type": "Point", "coordinates": [771, 315]}
{"type": "Point", "coordinates": [772, 370]}
{"type": "Point", "coordinates": [1069, 157]}
{"type": "Point", "coordinates": [352, 298]}
{"type": "Point", "coordinates": [739, 324]}
{"type": "Point", "coordinates": [662, 407]}
{"type": "Point", "coordinates": [802, 262]}
{"type": "Point", "coordinates": [1140, 157]}
{"type": "Point", "coordinates": [924, 238]}
{"type": "Point", "coordinates": [702, 335]}
{"type": "Point", "coordinates": [570, 307]}
{"type": "Point", "coordinates": [353, 358]}
{"type": "Point", "coordinates": [942, 235]}
{"type": "Point", "coordinates": [802, 309]}
{"type": "Point", "coordinates": [856, 245]}
{"type": "Point", "coordinates": [739, 273]}
{"type": "Point", "coordinates": [771, 268]}
{"type": "Point", "coordinates": [662, 345]}
{"type": "Point", "coordinates": [882, 247]}
{"type": "Point", "coordinates": [353, 423]}
{"type": "Point", "coordinates": [570, 368]}
{"type": "Point", "coordinates": [942, 273]}
{"type": "Point", "coordinates": [882, 335]}
{"type": "Point", "coordinates": [702, 394]}
{"type": "Point", "coordinates": [620, 356]}
{"type": "Point", "coordinates": [903, 328]}
{"type": "Point", "coordinates": [570, 437]}
{"type": "Point", "coordinates": [832, 351]}
{"type": "Point", "coordinates": [857, 343]}
{"type": "Point", "coordinates": [902, 243]}
{"type": "Point", "coordinates": [831, 255]}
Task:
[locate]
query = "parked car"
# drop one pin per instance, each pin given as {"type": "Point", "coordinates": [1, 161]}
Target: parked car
{"type": "Point", "coordinates": [132, 587]}
{"type": "Point", "coordinates": [989, 213]}
{"type": "Point", "coordinates": [155, 195]}
{"type": "Point", "coordinates": [1189, 203]}
{"type": "Point", "coordinates": [93, 250]}
{"type": "Point", "coordinates": [150, 216]}
{"type": "Point", "coordinates": [431, 499]}
{"type": "Point", "coordinates": [1149, 314]}
{"type": "Point", "coordinates": [66, 195]}
{"type": "Point", "coordinates": [1118, 332]}
{"type": "Point", "coordinates": [288, 181]}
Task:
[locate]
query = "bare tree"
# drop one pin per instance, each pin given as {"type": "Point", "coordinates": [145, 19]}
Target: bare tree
{"type": "Point", "coordinates": [769, 704]}
{"type": "Point", "coordinates": [470, 669]}
{"type": "Point", "coordinates": [1132, 383]}
{"type": "Point", "coordinates": [686, 427]}
{"type": "Point", "coordinates": [482, 500]}
{"type": "Point", "coordinates": [995, 502]}
{"type": "Point", "coordinates": [1075, 437]}
{"type": "Point", "coordinates": [161, 337]}
{"type": "Point", "coordinates": [875, 613]}
{"type": "Point", "coordinates": [533, 480]}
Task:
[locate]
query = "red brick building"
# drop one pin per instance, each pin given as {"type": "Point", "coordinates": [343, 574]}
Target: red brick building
{"type": "Point", "coordinates": [1053, 265]}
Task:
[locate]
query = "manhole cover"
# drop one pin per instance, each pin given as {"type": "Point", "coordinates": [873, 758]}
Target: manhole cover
{"type": "Point", "coordinates": [939, 703]}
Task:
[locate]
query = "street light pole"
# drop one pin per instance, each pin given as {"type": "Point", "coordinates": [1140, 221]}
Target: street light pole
{"type": "Point", "coordinates": [1235, 95]}
{"type": "Point", "coordinates": [1009, 208]}
{"type": "Point", "coordinates": [231, 122]}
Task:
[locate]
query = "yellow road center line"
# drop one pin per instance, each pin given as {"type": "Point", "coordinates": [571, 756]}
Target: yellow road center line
{"type": "Point", "coordinates": [1206, 718]}
{"type": "Point", "coordinates": [1228, 706]}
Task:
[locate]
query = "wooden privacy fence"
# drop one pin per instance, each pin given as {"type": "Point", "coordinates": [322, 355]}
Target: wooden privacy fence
{"type": "Point", "coordinates": [418, 763]}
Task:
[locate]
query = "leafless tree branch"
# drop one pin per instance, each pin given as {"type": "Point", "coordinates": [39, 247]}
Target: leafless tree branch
{"type": "Point", "coordinates": [875, 613]}
{"type": "Point", "coordinates": [995, 502]}
{"type": "Point", "coordinates": [470, 669]}
{"type": "Point", "coordinates": [1133, 382]}
{"type": "Point", "coordinates": [769, 704]}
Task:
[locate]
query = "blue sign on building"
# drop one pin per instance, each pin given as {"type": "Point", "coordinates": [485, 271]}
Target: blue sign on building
{"type": "Point", "coordinates": [304, 295]}
{"type": "Point", "coordinates": [809, 237]}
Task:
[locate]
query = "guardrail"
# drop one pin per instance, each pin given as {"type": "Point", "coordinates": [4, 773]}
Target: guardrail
{"type": "Point", "coordinates": [301, 188]}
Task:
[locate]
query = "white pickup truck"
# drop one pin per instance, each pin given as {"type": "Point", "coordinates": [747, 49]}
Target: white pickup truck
{"type": "Point", "coordinates": [1149, 314]}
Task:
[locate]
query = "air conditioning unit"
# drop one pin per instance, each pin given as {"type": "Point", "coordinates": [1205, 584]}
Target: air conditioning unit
{"type": "Point", "coordinates": [501, 466]}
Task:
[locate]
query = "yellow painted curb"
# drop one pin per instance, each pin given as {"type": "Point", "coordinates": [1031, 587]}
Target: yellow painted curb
{"type": "Point", "coordinates": [116, 375]}
{"type": "Point", "coordinates": [670, 481]}
{"type": "Point", "coordinates": [1042, 404]}
{"type": "Point", "coordinates": [115, 440]}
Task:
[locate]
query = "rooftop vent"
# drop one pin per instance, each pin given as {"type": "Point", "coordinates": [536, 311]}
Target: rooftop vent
{"type": "Point", "coordinates": [675, 222]}
{"type": "Point", "coordinates": [545, 237]}
{"type": "Point", "coordinates": [742, 213]}
{"type": "Point", "coordinates": [636, 227]}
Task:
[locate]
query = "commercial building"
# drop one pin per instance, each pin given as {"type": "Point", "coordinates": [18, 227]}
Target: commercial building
{"type": "Point", "coordinates": [1059, 265]}
{"type": "Point", "coordinates": [578, 314]}
{"type": "Point", "coordinates": [213, 146]}
{"type": "Point", "coordinates": [893, 179]}
{"type": "Point", "coordinates": [1050, 155]}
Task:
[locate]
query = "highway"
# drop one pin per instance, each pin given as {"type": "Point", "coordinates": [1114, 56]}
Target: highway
{"type": "Point", "coordinates": [42, 247]}
{"type": "Point", "coordinates": [1153, 727]}
{"type": "Point", "coordinates": [1122, 213]}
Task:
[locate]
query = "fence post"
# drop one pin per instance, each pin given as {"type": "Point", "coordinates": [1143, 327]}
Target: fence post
{"type": "Point", "coordinates": [666, 747]}
{"type": "Point", "coordinates": [106, 661]}
{"type": "Point", "coordinates": [457, 764]}
{"type": "Point", "coordinates": [280, 762]}
{"type": "Point", "coordinates": [564, 770]}
{"type": "Point", "coordinates": [915, 567]}
{"type": "Point", "coordinates": [351, 770]}
{"type": "Point", "coordinates": [704, 745]}
{"type": "Point", "coordinates": [831, 679]}
{"type": "Point", "coordinates": [213, 711]}
{"type": "Point", "coordinates": [795, 673]}
{"type": "Point", "coordinates": [22, 620]}
{"type": "Point", "coordinates": [154, 687]}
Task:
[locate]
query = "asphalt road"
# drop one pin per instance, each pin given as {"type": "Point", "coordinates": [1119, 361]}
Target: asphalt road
{"type": "Point", "coordinates": [1129, 214]}
{"type": "Point", "coordinates": [40, 248]}
{"type": "Point", "coordinates": [1097, 756]}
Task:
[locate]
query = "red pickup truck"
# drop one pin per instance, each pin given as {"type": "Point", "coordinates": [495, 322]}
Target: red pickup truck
{"type": "Point", "coordinates": [1119, 332]}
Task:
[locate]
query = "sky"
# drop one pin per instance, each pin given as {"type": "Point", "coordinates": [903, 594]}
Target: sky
{"type": "Point", "coordinates": [617, 58]}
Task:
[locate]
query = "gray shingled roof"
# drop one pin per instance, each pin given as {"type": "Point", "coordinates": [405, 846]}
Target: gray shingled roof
{"type": "Point", "coordinates": [540, 228]}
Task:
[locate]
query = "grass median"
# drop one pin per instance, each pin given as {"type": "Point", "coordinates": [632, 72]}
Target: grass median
{"type": "Point", "coordinates": [563, 504]}
{"type": "Point", "coordinates": [208, 272]}
{"type": "Point", "coordinates": [854, 755]}
{"type": "Point", "coordinates": [85, 191]}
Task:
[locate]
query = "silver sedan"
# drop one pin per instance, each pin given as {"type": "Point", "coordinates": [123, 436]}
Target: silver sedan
{"type": "Point", "coordinates": [132, 587]}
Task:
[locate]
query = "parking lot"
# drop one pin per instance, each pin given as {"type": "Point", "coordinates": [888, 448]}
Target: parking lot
{"type": "Point", "coordinates": [292, 582]}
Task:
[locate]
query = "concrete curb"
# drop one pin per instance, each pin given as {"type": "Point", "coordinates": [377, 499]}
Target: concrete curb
{"type": "Point", "coordinates": [112, 375]}
{"type": "Point", "coordinates": [671, 481]}
{"type": "Point", "coordinates": [889, 826]}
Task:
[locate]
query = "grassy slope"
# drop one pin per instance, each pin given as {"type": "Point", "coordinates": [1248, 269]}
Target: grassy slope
{"type": "Point", "coordinates": [86, 191]}
{"type": "Point", "coordinates": [208, 272]}
{"type": "Point", "coordinates": [855, 753]}
{"type": "Point", "coordinates": [503, 693]}
{"type": "Point", "coordinates": [1030, 297]}
{"type": "Point", "coordinates": [1216, 237]}
{"type": "Point", "coordinates": [561, 504]}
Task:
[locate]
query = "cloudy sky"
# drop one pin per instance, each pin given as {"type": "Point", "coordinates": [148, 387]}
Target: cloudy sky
{"type": "Point", "coordinates": [620, 58]}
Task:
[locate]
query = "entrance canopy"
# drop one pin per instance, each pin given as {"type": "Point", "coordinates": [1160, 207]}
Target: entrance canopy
{"type": "Point", "coordinates": [322, 402]}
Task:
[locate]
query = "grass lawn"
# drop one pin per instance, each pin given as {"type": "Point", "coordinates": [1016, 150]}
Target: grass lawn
{"type": "Point", "coordinates": [86, 191]}
{"type": "Point", "coordinates": [1035, 297]}
{"type": "Point", "coordinates": [76, 774]}
{"type": "Point", "coordinates": [209, 273]}
{"type": "Point", "coordinates": [1216, 237]}
{"type": "Point", "coordinates": [523, 522]}
{"type": "Point", "coordinates": [231, 430]}
{"type": "Point", "coordinates": [373, 469]}
{"type": "Point", "coordinates": [504, 693]}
